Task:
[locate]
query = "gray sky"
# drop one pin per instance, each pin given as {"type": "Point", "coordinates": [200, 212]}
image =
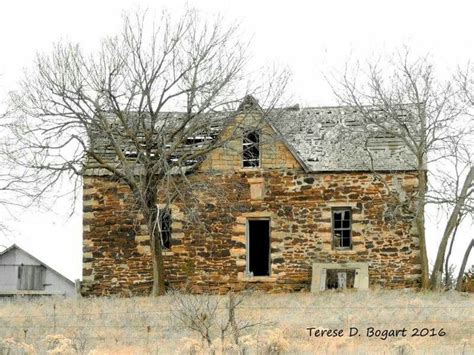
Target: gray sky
{"type": "Point", "coordinates": [306, 36]}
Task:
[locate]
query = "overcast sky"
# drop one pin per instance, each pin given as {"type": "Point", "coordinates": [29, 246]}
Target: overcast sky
{"type": "Point", "coordinates": [307, 36]}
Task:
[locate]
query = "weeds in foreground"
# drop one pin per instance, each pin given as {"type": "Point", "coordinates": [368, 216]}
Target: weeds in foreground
{"type": "Point", "coordinates": [255, 323]}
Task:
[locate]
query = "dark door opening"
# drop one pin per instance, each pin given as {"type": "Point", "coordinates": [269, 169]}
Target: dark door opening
{"type": "Point", "coordinates": [259, 247]}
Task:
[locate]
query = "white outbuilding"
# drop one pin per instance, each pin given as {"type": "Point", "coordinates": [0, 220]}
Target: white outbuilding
{"type": "Point", "coordinates": [21, 274]}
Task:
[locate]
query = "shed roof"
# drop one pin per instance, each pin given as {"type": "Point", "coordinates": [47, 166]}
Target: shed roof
{"type": "Point", "coordinates": [16, 247]}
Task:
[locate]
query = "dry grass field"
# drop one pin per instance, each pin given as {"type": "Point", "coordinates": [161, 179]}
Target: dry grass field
{"type": "Point", "coordinates": [441, 323]}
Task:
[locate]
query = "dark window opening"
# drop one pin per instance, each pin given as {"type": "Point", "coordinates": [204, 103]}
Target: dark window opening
{"type": "Point", "coordinates": [31, 277]}
{"type": "Point", "coordinates": [339, 279]}
{"type": "Point", "coordinates": [165, 228]}
{"type": "Point", "coordinates": [251, 150]}
{"type": "Point", "coordinates": [341, 228]}
{"type": "Point", "coordinates": [259, 247]}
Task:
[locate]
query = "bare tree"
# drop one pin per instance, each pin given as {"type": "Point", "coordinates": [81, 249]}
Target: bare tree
{"type": "Point", "coordinates": [463, 265]}
{"type": "Point", "coordinates": [451, 179]}
{"type": "Point", "coordinates": [18, 186]}
{"type": "Point", "coordinates": [404, 98]}
{"type": "Point", "coordinates": [455, 218]}
{"type": "Point", "coordinates": [115, 111]}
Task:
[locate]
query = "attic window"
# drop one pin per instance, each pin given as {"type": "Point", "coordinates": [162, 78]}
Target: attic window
{"type": "Point", "coordinates": [251, 150]}
{"type": "Point", "coordinates": [342, 228]}
{"type": "Point", "coordinates": [165, 228]}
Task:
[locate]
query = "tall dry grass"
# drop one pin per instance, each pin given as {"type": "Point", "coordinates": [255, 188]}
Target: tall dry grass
{"type": "Point", "coordinates": [146, 325]}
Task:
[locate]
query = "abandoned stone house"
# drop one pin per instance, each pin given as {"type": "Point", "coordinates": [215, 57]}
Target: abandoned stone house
{"type": "Point", "coordinates": [321, 205]}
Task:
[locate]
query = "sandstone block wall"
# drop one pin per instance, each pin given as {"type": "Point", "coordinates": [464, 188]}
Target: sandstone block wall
{"type": "Point", "coordinates": [211, 255]}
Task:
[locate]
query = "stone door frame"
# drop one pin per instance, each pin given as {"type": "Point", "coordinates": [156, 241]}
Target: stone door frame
{"type": "Point", "coordinates": [247, 246]}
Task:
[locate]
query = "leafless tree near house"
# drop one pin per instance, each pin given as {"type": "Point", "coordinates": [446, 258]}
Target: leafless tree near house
{"type": "Point", "coordinates": [466, 81]}
{"type": "Point", "coordinates": [456, 187]}
{"type": "Point", "coordinates": [115, 111]}
{"type": "Point", "coordinates": [463, 265]}
{"type": "Point", "coordinates": [458, 160]}
{"type": "Point", "coordinates": [405, 98]}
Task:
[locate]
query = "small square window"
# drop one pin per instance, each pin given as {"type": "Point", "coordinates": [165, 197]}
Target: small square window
{"type": "Point", "coordinates": [342, 228]}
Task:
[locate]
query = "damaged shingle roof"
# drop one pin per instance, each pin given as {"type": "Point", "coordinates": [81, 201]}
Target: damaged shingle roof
{"type": "Point", "coordinates": [321, 138]}
{"type": "Point", "coordinates": [334, 139]}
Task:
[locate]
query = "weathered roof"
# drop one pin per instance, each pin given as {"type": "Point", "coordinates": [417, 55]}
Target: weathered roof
{"type": "Point", "coordinates": [320, 138]}
{"type": "Point", "coordinates": [334, 139]}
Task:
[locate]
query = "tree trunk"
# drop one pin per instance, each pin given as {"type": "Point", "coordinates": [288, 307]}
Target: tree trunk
{"type": "Point", "coordinates": [463, 266]}
{"type": "Point", "coordinates": [450, 281]}
{"type": "Point", "coordinates": [453, 218]}
{"type": "Point", "coordinates": [420, 224]}
{"type": "Point", "coordinates": [151, 214]}
{"type": "Point", "coordinates": [157, 256]}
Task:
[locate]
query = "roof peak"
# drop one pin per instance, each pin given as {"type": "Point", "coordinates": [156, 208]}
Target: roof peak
{"type": "Point", "coordinates": [249, 103]}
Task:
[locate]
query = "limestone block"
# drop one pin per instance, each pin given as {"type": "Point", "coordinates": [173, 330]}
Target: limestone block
{"type": "Point", "coordinates": [177, 235]}
{"type": "Point", "coordinates": [87, 243]}
{"type": "Point", "coordinates": [357, 227]}
{"type": "Point", "coordinates": [411, 181]}
{"type": "Point", "coordinates": [89, 191]}
{"type": "Point", "coordinates": [142, 238]}
{"type": "Point", "coordinates": [88, 203]}
{"type": "Point", "coordinates": [257, 191]}
{"type": "Point", "coordinates": [89, 278]}
{"type": "Point", "coordinates": [241, 262]}
{"type": "Point", "coordinates": [237, 252]}
{"type": "Point", "coordinates": [88, 215]}
{"type": "Point", "coordinates": [239, 228]}
{"type": "Point", "coordinates": [239, 238]}
{"type": "Point", "coordinates": [278, 236]}
{"type": "Point", "coordinates": [144, 249]}
{"type": "Point", "coordinates": [176, 225]}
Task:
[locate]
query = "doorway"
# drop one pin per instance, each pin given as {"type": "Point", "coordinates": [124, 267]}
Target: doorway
{"type": "Point", "coordinates": [258, 247]}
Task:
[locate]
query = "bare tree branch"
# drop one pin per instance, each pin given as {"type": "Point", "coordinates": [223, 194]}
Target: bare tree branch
{"type": "Point", "coordinates": [145, 109]}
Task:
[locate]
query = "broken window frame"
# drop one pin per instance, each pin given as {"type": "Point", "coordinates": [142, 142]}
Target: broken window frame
{"type": "Point", "coordinates": [248, 145]}
{"type": "Point", "coordinates": [337, 240]}
{"type": "Point", "coordinates": [247, 247]}
{"type": "Point", "coordinates": [165, 220]}
{"type": "Point", "coordinates": [334, 280]}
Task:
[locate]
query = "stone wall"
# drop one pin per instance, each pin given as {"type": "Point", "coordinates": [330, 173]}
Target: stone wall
{"type": "Point", "coordinates": [211, 255]}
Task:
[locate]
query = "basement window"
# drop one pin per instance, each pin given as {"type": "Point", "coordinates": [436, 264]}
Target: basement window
{"type": "Point", "coordinates": [339, 279]}
{"type": "Point", "coordinates": [165, 228]}
{"type": "Point", "coordinates": [251, 150]}
{"type": "Point", "coordinates": [342, 228]}
{"type": "Point", "coordinates": [31, 277]}
{"type": "Point", "coordinates": [258, 247]}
